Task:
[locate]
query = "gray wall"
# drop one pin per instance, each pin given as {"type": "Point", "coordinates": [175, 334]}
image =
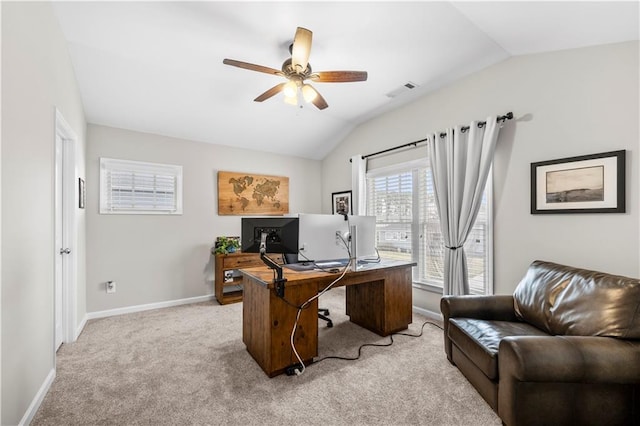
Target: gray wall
{"type": "Point", "coordinates": [156, 258]}
{"type": "Point", "coordinates": [36, 77]}
{"type": "Point", "coordinates": [566, 103]}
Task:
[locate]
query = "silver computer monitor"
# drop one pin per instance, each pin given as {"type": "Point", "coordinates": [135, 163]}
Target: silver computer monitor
{"type": "Point", "coordinates": [365, 236]}
{"type": "Point", "coordinates": [318, 240]}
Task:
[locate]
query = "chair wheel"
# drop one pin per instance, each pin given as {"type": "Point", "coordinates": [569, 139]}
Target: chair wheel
{"type": "Point", "coordinates": [330, 324]}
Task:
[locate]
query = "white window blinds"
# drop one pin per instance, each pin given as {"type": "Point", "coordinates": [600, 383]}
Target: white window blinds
{"type": "Point", "coordinates": [431, 244]}
{"type": "Point", "coordinates": [134, 187]}
{"type": "Point", "coordinates": [390, 199]}
{"type": "Point", "coordinates": [408, 226]}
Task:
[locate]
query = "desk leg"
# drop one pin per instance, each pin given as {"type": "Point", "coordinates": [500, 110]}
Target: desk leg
{"type": "Point", "coordinates": [267, 322]}
{"type": "Point", "coordinates": [383, 306]}
{"type": "Point", "coordinates": [255, 321]}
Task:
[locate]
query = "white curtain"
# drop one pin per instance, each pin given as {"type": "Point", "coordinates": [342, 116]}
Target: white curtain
{"type": "Point", "coordinates": [460, 163]}
{"type": "Point", "coordinates": [359, 184]}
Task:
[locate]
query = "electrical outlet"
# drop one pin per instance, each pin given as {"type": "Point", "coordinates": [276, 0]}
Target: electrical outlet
{"type": "Point", "coordinates": [111, 286]}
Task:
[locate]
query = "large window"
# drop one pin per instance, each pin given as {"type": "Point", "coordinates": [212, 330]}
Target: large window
{"type": "Point", "coordinates": [134, 187]}
{"type": "Point", "coordinates": [408, 228]}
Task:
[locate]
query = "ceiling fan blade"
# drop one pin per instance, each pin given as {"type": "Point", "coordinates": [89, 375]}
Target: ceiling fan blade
{"type": "Point", "coordinates": [338, 76]}
{"type": "Point", "coordinates": [301, 49]}
{"type": "Point", "coordinates": [269, 93]}
{"type": "Point", "coordinates": [319, 101]}
{"type": "Point", "coordinates": [251, 67]}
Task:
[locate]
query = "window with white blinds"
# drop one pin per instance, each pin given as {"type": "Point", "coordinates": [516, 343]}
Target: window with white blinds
{"type": "Point", "coordinates": [408, 227]}
{"type": "Point", "coordinates": [135, 187]}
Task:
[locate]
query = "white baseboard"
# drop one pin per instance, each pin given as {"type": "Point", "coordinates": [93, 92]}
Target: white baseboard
{"type": "Point", "coordinates": [147, 307]}
{"type": "Point", "coordinates": [37, 400]}
{"type": "Point", "coordinates": [427, 313]}
{"type": "Point", "coordinates": [80, 327]}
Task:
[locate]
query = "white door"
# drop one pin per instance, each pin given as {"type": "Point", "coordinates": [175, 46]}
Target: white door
{"type": "Point", "coordinates": [59, 248]}
{"type": "Point", "coordinates": [65, 239]}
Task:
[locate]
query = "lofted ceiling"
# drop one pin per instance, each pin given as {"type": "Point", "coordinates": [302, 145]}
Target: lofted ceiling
{"type": "Point", "coordinates": [157, 66]}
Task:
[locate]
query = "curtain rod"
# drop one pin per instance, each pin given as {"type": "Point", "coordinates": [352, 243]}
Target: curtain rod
{"type": "Point", "coordinates": [507, 116]}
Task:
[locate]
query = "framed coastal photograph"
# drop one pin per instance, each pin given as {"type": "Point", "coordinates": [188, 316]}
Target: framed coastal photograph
{"type": "Point", "coordinates": [341, 203]}
{"type": "Point", "coordinates": [586, 184]}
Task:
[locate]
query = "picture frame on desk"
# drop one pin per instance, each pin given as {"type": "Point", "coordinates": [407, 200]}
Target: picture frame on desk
{"type": "Point", "coordinates": [584, 184]}
{"type": "Point", "coordinates": [341, 203]}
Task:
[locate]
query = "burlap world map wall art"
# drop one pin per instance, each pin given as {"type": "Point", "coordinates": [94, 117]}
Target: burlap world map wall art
{"type": "Point", "coordinates": [251, 194]}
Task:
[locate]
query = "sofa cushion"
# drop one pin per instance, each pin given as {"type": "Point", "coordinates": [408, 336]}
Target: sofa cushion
{"type": "Point", "coordinates": [570, 301]}
{"type": "Point", "coordinates": [479, 339]}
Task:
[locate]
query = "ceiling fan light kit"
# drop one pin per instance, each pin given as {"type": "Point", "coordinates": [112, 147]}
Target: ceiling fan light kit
{"type": "Point", "coordinates": [291, 100]}
{"type": "Point", "coordinates": [290, 89]}
{"type": "Point", "coordinates": [297, 70]}
{"type": "Point", "coordinates": [308, 92]}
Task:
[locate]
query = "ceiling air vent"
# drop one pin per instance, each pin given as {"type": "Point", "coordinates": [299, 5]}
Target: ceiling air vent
{"type": "Point", "coordinates": [402, 89]}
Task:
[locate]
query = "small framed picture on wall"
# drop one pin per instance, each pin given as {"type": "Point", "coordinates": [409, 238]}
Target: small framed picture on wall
{"type": "Point", "coordinates": [81, 193]}
{"type": "Point", "coordinates": [341, 203]}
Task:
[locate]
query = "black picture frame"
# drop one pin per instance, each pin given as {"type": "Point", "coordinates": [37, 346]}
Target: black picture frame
{"type": "Point", "coordinates": [592, 183]}
{"type": "Point", "coordinates": [341, 201]}
{"type": "Point", "coordinates": [81, 193]}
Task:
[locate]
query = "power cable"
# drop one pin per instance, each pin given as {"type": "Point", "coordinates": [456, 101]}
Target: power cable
{"type": "Point", "coordinates": [391, 341]}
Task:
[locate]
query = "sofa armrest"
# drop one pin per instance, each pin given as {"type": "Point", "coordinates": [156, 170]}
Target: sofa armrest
{"type": "Point", "coordinates": [555, 374]}
{"type": "Point", "coordinates": [570, 359]}
{"type": "Point", "coordinates": [497, 308]}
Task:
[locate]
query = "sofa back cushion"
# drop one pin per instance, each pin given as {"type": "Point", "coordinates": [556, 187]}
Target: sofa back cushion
{"type": "Point", "coordinates": [562, 300]}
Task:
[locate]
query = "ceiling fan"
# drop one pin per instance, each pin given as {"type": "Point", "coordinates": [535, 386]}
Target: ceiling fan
{"type": "Point", "coordinates": [298, 70]}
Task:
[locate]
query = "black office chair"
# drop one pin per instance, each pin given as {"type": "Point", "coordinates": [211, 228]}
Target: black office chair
{"type": "Point", "coordinates": [323, 313]}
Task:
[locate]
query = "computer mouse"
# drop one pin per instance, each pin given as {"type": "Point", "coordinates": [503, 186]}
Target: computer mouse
{"type": "Point", "coordinates": [334, 270]}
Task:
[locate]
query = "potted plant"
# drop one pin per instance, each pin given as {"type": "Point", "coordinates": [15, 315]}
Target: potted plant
{"type": "Point", "coordinates": [226, 245]}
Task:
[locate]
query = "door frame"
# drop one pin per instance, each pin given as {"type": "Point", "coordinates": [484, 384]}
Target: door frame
{"type": "Point", "coordinates": [69, 236]}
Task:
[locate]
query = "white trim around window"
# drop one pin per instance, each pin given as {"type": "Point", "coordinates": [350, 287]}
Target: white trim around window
{"type": "Point", "coordinates": [137, 187]}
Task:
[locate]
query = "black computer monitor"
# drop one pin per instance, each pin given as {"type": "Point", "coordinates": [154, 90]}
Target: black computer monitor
{"type": "Point", "coordinates": [281, 233]}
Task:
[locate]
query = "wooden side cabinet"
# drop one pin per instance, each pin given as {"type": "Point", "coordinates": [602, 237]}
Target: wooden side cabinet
{"type": "Point", "coordinates": [228, 279]}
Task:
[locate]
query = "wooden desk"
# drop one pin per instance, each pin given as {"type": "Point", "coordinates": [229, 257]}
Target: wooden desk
{"type": "Point", "coordinates": [378, 298]}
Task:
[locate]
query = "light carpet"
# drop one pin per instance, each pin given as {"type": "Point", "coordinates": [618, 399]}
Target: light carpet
{"type": "Point", "coordinates": [187, 365]}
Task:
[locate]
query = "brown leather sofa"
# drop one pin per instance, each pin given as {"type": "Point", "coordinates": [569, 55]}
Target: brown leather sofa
{"type": "Point", "coordinates": [563, 349]}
